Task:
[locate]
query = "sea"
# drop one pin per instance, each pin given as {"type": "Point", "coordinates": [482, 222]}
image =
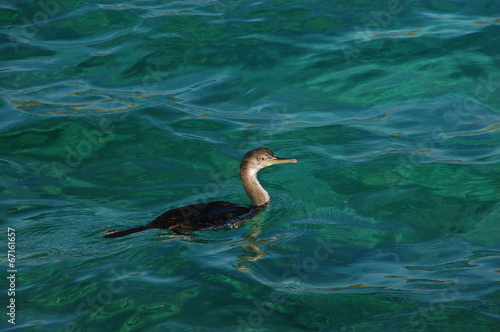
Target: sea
{"type": "Point", "coordinates": [112, 112]}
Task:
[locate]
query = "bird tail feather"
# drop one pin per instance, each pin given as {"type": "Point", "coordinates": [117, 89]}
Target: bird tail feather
{"type": "Point", "coordinates": [126, 232]}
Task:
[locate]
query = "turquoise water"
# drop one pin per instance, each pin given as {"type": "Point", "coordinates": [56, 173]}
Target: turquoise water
{"type": "Point", "coordinates": [113, 112]}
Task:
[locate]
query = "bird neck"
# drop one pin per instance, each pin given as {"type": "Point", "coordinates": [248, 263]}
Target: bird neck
{"type": "Point", "coordinates": [252, 187]}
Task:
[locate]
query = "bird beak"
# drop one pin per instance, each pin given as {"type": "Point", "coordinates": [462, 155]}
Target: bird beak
{"type": "Point", "coordinates": [280, 161]}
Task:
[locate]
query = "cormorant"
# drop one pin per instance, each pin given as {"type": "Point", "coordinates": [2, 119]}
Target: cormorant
{"type": "Point", "coordinates": [216, 215]}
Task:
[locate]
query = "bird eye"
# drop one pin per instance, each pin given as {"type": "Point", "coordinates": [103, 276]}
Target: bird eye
{"type": "Point", "coordinates": [263, 158]}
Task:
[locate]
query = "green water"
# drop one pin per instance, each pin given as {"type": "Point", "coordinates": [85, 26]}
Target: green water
{"type": "Point", "coordinates": [113, 112]}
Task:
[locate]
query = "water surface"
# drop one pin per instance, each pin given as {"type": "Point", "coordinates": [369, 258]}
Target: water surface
{"type": "Point", "coordinates": [112, 113]}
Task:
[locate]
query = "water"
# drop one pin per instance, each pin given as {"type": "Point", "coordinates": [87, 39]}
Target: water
{"type": "Point", "coordinates": [112, 113]}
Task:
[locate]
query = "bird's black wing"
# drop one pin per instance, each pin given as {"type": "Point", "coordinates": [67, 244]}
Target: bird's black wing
{"type": "Point", "coordinates": [203, 216]}
{"type": "Point", "coordinates": [225, 217]}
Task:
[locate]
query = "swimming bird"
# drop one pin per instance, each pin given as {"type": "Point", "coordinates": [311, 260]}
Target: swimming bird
{"type": "Point", "coordinates": [217, 215]}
